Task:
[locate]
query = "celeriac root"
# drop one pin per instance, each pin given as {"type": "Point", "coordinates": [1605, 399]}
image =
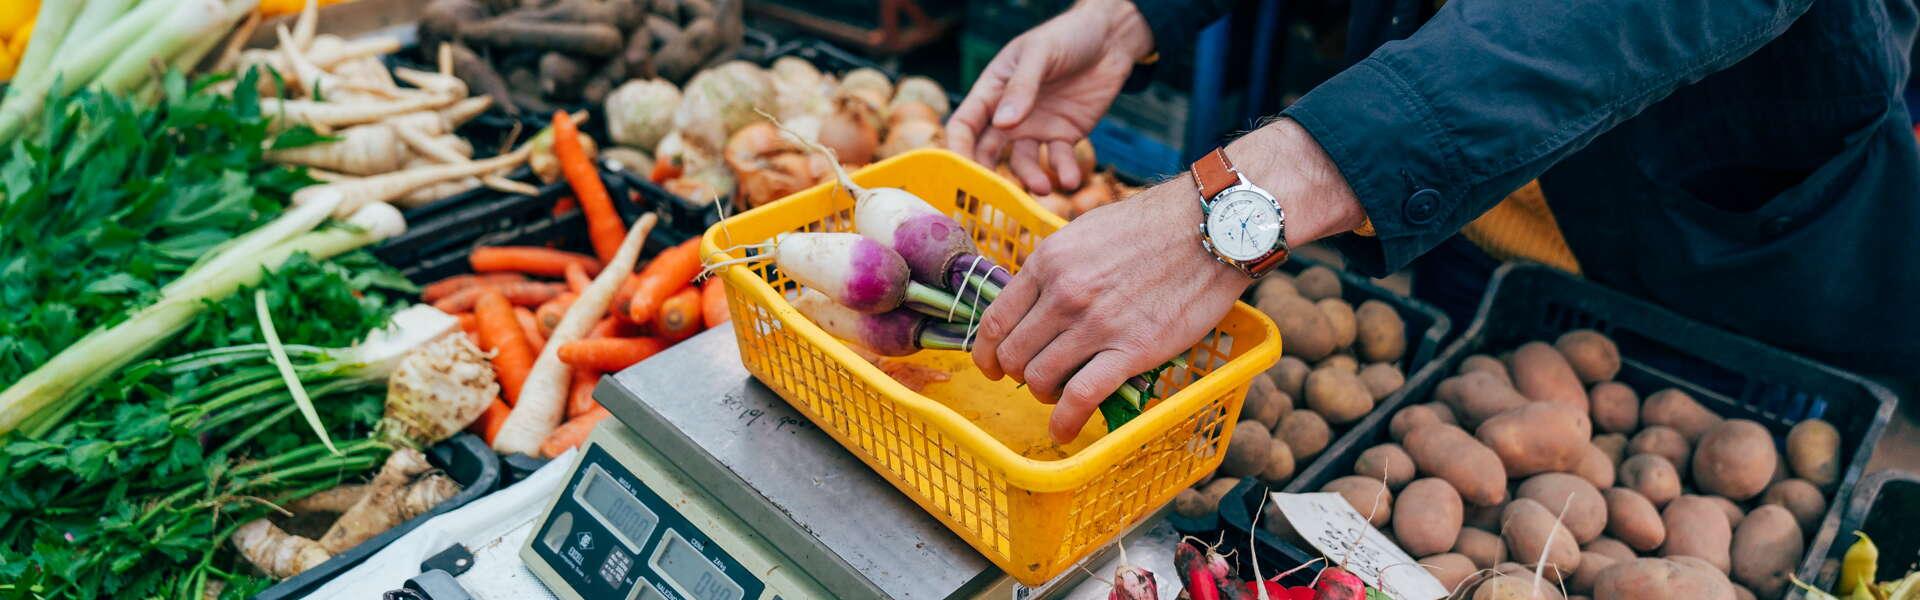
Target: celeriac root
{"type": "Point", "coordinates": [425, 494]}
{"type": "Point", "coordinates": [275, 552]}
{"type": "Point", "coordinates": [376, 511]}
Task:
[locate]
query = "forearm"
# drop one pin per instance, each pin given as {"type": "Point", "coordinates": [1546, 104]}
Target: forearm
{"type": "Point", "coordinates": [1283, 159]}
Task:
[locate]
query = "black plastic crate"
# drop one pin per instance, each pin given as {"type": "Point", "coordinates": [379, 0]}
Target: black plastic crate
{"type": "Point", "coordinates": [464, 458]}
{"type": "Point", "coordinates": [441, 234]}
{"type": "Point", "coordinates": [1882, 506]}
{"type": "Point", "coordinates": [1736, 377]}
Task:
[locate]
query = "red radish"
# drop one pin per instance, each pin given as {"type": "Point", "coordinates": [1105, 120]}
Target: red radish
{"type": "Point", "coordinates": [1197, 571]}
{"type": "Point", "coordinates": [1337, 584]}
{"type": "Point", "coordinates": [856, 272]}
{"type": "Point", "coordinates": [893, 333]}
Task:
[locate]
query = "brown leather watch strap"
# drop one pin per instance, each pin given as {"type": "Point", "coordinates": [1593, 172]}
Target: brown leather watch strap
{"type": "Point", "coordinates": [1213, 174]}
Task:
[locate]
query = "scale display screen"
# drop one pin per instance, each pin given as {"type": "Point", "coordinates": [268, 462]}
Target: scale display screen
{"type": "Point", "coordinates": [696, 577]}
{"type": "Point", "coordinates": [618, 508]}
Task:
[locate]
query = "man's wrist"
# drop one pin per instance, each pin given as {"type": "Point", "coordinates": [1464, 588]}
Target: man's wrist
{"type": "Point", "coordinates": [1284, 159]}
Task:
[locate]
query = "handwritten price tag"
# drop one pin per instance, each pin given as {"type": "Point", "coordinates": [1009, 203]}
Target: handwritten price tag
{"type": "Point", "coordinates": [1332, 527]}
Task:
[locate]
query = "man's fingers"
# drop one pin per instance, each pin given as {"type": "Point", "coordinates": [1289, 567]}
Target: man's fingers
{"type": "Point", "coordinates": [987, 152]}
{"type": "Point", "coordinates": [1064, 166]}
{"type": "Point", "coordinates": [1084, 393]}
{"type": "Point", "coordinates": [1034, 333]}
{"type": "Point", "coordinates": [1047, 373]}
{"type": "Point", "coordinates": [1006, 311]}
{"type": "Point", "coordinates": [1026, 165]}
{"type": "Point", "coordinates": [964, 125]}
{"type": "Point", "coordinates": [1029, 70]}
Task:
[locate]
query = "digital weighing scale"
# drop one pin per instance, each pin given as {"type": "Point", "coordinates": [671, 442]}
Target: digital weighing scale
{"type": "Point", "coordinates": [707, 486]}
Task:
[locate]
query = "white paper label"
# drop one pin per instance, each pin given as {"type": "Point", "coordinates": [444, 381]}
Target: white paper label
{"type": "Point", "coordinates": [1332, 526]}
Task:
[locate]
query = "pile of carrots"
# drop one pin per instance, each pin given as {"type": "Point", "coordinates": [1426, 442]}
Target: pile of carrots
{"type": "Point", "coordinates": [517, 295]}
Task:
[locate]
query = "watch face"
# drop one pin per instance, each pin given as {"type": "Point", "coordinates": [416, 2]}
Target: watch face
{"type": "Point", "coordinates": [1243, 225]}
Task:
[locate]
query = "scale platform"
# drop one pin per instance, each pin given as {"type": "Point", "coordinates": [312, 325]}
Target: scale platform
{"type": "Point", "coordinates": [703, 438]}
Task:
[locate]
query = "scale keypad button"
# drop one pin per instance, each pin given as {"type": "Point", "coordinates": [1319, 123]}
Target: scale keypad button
{"type": "Point", "coordinates": [614, 569]}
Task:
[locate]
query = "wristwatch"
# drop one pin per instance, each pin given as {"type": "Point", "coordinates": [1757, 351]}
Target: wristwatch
{"type": "Point", "coordinates": [1242, 225]}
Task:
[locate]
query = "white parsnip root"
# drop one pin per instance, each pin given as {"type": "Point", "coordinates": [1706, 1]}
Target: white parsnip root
{"type": "Point", "coordinates": [378, 510]}
{"type": "Point", "coordinates": [275, 552]}
{"type": "Point", "coordinates": [543, 396]}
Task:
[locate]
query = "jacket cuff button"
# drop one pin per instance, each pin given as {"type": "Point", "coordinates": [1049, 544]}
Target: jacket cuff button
{"type": "Point", "coordinates": [1422, 207]}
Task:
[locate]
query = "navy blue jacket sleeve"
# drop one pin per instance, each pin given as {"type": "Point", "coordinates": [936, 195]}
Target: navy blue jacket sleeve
{"type": "Point", "coordinates": [1175, 23]}
{"type": "Point", "coordinates": [1433, 130]}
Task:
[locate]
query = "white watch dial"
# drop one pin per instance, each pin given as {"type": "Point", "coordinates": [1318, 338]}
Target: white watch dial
{"type": "Point", "coordinates": [1243, 225]}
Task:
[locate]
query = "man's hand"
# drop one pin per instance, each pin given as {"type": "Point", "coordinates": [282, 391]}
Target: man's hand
{"type": "Point", "coordinates": [1127, 286]}
{"type": "Point", "coordinates": [1078, 62]}
{"type": "Point", "coordinates": [1124, 288]}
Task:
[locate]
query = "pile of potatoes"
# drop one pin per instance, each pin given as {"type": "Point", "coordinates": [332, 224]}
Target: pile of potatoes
{"type": "Point", "coordinates": [1539, 459]}
{"type": "Point", "coordinates": [1340, 360]}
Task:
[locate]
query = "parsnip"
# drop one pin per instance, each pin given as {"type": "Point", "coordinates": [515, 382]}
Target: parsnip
{"type": "Point", "coordinates": [361, 150]}
{"type": "Point", "coordinates": [333, 500]}
{"type": "Point", "coordinates": [391, 186]}
{"type": "Point", "coordinates": [425, 494]}
{"type": "Point", "coordinates": [275, 552]}
{"type": "Point", "coordinates": [346, 114]}
{"type": "Point", "coordinates": [375, 512]}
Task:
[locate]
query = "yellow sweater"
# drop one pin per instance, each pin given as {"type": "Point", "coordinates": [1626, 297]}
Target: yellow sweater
{"type": "Point", "coordinates": [1521, 227]}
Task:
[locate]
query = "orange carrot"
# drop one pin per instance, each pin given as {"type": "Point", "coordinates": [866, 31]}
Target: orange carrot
{"type": "Point", "coordinates": [519, 293]}
{"type": "Point", "coordinates": [549, 314]}
{"type": "Point", "coordinates": [489, 422]}
{"type": "Point", "coordinates": [471, 325]}
{"type": "Point", "coordinates": [577, 278]}
{"type": "Point", "coordinates": [573, 433]}
{"type": "Point", "coordinates": [612, 327]}
{"type": "Point", "coordinates": [680, 315]}
{"type": "Point", "coordinates": [528, 326]}
{"type": "Point", "coordinates": [609, 355]}
{"type": "Point", "coordinates": [623, 297]}
{"type": "Point", "coordinates": [446, 287]}
{"type": "Point", "coordinates": [713, 303]}
{"type": "Point", "coordinates": [500, 332]}
{"type": "Point", "coordinates": [580, 399]}
{"type": "Point", "coordinates": [532, 260]}
{"type": "Point", "coordinates": [603, 222]}
{"type": "Point", "coordinates": [673, 270]}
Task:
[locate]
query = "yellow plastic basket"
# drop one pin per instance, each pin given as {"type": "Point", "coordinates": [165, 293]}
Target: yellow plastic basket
{"type": "Point", "coordinates": [975, 453]}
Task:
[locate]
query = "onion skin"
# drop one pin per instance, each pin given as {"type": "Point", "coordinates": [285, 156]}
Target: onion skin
{"type": "Point", "coordinates": [852, 131]}
{"type": "Point", "coordinates": [912, 135]}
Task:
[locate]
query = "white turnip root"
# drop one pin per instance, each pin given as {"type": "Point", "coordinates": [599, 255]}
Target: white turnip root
{"type": "Point", "coordinates": [857, 273]}
{"type": "Point", "coordinates": [892, 333]}
{"type": "Point", "coordinates": [277, 553]}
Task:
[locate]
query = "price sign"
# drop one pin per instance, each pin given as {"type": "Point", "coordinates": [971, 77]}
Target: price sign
{"type": "Point", "coordinates": [1340, 533]}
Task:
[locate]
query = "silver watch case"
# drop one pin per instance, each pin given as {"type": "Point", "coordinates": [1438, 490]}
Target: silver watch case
{"type": "Point", "coordinates": [1206, 237]}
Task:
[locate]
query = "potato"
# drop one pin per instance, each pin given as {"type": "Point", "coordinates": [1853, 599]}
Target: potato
{"type": "Point", "coordinates": [1703, 566]}
{"type": "Point", "coordinates": [1543, 375]}
{"type": "Point", "coordinates": [1477, 396]}
{"type": "Point", "coordinates": [1516, 587]}
{"type": "Point", "coordinates": [1427, 517]}
{"type": "Point", "coordinates": [1538, 438]}
{"type": "Point", "coordinates": [1485, 549]}
{"type": "Point", "coordinates": [1485, 518]}
{"type": "Point", "coordinates": [1338, 395]}
{"type": "Point", "coordinates": [1265, 403]}
{"type": "Point", "coordinates": [1596, 467]}
{"type": "Point", "coordinates": [1190, 503]}
{"type": "Point", "coordinates": [1665, 443]}
{"type": "Point", "coordinates": [1306, 330]}
{"type": "Point", "coordinates": [1305, 433]}
{"type": "Point", "coordinates": [1660, 579]}
{"type": "Point", "coordinates": [1766, 548]}
{"type": "Point", "coordinates": [1616, 409]}
{"type": "Point", "coordinates": [1697, 528]}
{"type": "Point", "coordinates": [1800, 498]}
{"type": "Point", "coordinates": [1317, 283]}
{"type": "Point", "coordinates": [1280, 464]}
{"type": "Point", "coordinates": [1368, 497]}
{"type": "Point", "coordinates": [1652, 476]}
{"type": "Point", "coordinates": [1382, 336]}
{"type": "Point", "coordinates": [1449, 568]}
{"type": "Point", "coordinates": [1633, 520]}
{"type": "Point", "coordinates": [1214, 490]}
{"type": "Point", "coordinates": [1247, 451]}
{"type": "Point", "coordinates": [1389, 462]}
{"type": "Point", "coordinates": [1592, 355]}
{"type": "Point", "coordinates": [1740, 592]}
{"type": "Point", "coordinates": [1340, 362]}
{"type": "Point", "coordinates": [1591, 564]}
{"type": "Point", "coordinates": [1382, 379]}
{"type": "Point", "coordinates": [1448, 452]}
{"type": "Point", "coordinates": [1275, 284]}
{"type": "Point", "coordinates": [1531, 532]}
{"type": "Point", "coordinates": [1733, 511]}
{"type": "Point", "coordinates": [1813, 450]}
{"type": "Point", "coordinates": [1482, 362]}
{"type": "Point", "coordinates": [1415, 416]}
{"type": "Point", "coordinates": [1614, 444]}
{"type": "Point", "coordinates": [1290, 375]}
{"type": "Point", "coordinates": [1674, 408]}
{"type": "Point", "coordinates": [1585, 511]}
{"type": "Point", "coordinates": [1735, 459]}
{"type": "Point", "coordinates": [1340, 316]}
{"type": "Point", "coordinates": [1610, 547]}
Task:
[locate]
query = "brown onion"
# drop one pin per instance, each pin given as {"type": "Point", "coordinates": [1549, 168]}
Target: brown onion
{"type": "Point", "coordinates": [852, 131]}
{"type": "Point", "coordinates": [912, 135]}
{"type": "Point", "coordinates": [911, 111]}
